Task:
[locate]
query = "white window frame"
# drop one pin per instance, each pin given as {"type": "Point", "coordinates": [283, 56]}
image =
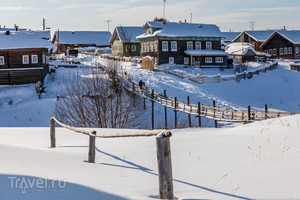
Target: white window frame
{"type": "Point", "coordinates": [219, 59]}
{"type": "Point", "coordinates": [25, 59]}
{"type": "Point", "coordinates": [148, 46]}
{"type": "Point", "coordinates": [155, 45]}
{"type": "Point", "coordinates": [198, 45]}
{"type": "Point", "coordinates": [173, 45]}
{"type": "Point", "coordinates": [165, 46]}
{"type": "Point", "coordinates": [274, 51]}
{"type": "Point", "coordinates": [171, 60]}
{"type": "Point", "coordinates": [281, 51]}
{"type": "Point", "coordinates": [208, 45]}
{"type": "Point", "coordinates": [208, 60]}
{"type": "Point", "coordinates": [189, 45]}
{"type": "Point", "coordinates": [155, 60]}
{"type": "Point", "coordinates": [296, 50]}
{"type": "Point", "coordinates": [152, 46]}
{"type": "Point", "coordinates": [186, 60]}
{"type": "Point", "coordinates": [290, 50]}
{"type": "Point", "coordinates": [285, 51]}
{"type": "Point", "coordinates": [2, 60]}
{"type": "Point", "coordinates": [44, 59]}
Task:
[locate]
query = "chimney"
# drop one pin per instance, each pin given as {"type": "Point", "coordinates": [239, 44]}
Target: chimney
{"type": "Point", "coordinates": [7, 33]}
{"type": "Point", "coordinates": [16, 27]}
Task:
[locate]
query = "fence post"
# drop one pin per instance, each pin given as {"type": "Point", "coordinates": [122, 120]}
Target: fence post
{"type": "Point", "coordinates": [152, 99]}
{"type": "Point", "coordinates": [266, 111]}
{"type": "Point", "coordinates": [214, 105]}
{"type": "Point", "coordinates": [52, 133]}
{"type": "Point", "coordinates": [175, 112]}
{"type": "Point", "coordinates": [189, 115]}
{"type": "Point", "coordinates": [245, 75]}
{"type": "Point", "coordinates": [164, 161]}
{"type": "Point", "coordinates": [199, 114]}
{"type": "Point", "coordinates": [198, 79]}
{"type": "Point", "coordinates": [92, 143]}
{"type": "Point", "coordinates": [249, 113]}
{"type": "Point", "coordinates": [218, 77]}
{"type": "Point", "coordinates": [166, 116]}
{"type": "Point", "coordinates": [181, 76]}
{"type": "Point", "coordinates": [236, 77]}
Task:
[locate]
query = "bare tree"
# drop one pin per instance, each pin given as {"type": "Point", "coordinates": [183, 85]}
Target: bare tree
{"type": "Point", "coordinates": [125, 36]}
{"type": "Point", "coordinates": [97, 100]}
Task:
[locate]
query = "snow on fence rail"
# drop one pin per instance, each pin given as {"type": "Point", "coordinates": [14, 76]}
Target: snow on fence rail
{"type": "Point", "coordinates": [163, 149]}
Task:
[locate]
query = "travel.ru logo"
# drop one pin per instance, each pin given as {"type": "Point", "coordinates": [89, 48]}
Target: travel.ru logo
{"type": "Point", "coordinates": [37, 184]}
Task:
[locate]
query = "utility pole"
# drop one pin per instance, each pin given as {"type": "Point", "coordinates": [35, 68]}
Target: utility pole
{"type": "Point", "coordinates": [44, 24]}
{"type": "Point", "coordinates": [191, 17]}
{"type": "Point", "coordinates": [252, 25]}
{"type": "Point", "coordinates": [108, 23]}
{"type": "Point", "coordinates": [164, 9]}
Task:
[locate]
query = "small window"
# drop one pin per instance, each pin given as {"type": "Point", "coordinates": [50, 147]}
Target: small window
{"type": "Point", "coordinates": [189, 45]}
{"type": "Point", "coordinates": [148, 46]}
{"type": "Point", "coordinates": [198, 45]}
{"type": "Point", "coordinates": [171, 60]}
{"type": "Point", "coordinates": [34, 59]}
{"type": "Point", "coordinates": [208, 45]}
{"type": "Point", "coordinates": [270, 51]}
{"type": "Point", "coordinates": [208, 59]}
{"type": "Point", "coordinates": [133, 48]}
{"type": "Point", "coordinates": [1, 60]}
{"type": "Point", "coordinates": [290, 50]}
{"type": "Point", "coordinates": [281, 51]}
{"type": "Point", "coordinates": [164, 45]}
{"type": "Point", "coordinates": [274, 52]}
{"type": "Point", "coordinates": [219, 59]}
{"type": "Point", "coordinates": [285, 51]}
{"type": "Point", "coordinates": [297, 50]}
{"type": "Point", "coordinates": [152, 46]}
{"type": "Point", "coordinates": [173, 45]}
{"type": "Point", "coordinates": [155, 45]}
{"type": "Point", "coordinates": [266, 51]}
{"type": "Point", "coordinates": [127, 47]}
{"type": "Point", "coordinates": [25, 59]}
{"type": "Point", "coordinates": [120, 48]}
{"type": "Point", "coordinates": [44, 58]}
{"type": "Point", "coordinates": [186, 60]}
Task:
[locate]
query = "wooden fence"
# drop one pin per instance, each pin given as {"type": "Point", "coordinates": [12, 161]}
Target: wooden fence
{"type": "Point", "coordinates": [163, 149]}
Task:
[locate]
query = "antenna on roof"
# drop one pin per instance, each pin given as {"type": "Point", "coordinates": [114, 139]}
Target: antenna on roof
{"type": "Point", "coordinates": [191, 17]}
{"type": "Point", "coordinates": [252, 25]}
{"type": "Point", "coordinates": [108, 23]}
{"type": "Point", "coordinates": [44, 24]}
{"type": "Point", "coordinates": [164, 9]}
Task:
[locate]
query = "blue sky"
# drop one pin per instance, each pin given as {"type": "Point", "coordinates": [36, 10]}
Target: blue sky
{"type": "Point", "coordinates": [93, 14]}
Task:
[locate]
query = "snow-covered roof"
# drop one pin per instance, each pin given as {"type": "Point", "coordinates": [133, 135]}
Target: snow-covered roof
{"type": "Point", "coordinates": [83, 37]}
{"type": "Point", "coordinates": [127, 33]}
{"type": "Point", "coordinates": [24, 40]}
{"type": "Point", "coordinates": [293, 36]}
{"type": "Point", "coordinates": [174, 29]}
{"type": "Point", "coordinates": [229, 36]}
{"type": "Point", "coordinates": [239, 48]}
{"type": "Point", "coordinates": [259, 35]}
{"type": "Point", "coordinates": [202, 52]}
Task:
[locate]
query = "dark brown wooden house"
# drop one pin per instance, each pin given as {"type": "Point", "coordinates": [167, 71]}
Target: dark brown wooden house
{"type": "Point", "coordinates": [65, 40]}
{"type": "Point", "coordinates": [283, 44]}
{"type": "Point", "coordinates": [183, 43]}
{"type": "Point", "coordinates": [23, 57]}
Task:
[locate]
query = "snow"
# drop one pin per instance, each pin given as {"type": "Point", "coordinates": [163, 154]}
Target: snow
{"type": "Point", "coordinates": [259, 35]}
{"type": "Point", "coordinates": [230, 36]}
{"type": "Point", "coordinates": [99, 38]}
{"type": "Point", "coordinates": [239, 48]}
{"type": "Point", "coordinates": [173, 29]}
{"type": "Point", "coordinates": [25, 40]}
{"type": "Point", "coordinates": [195, 52]}
{"type": "Point", "coordinates": [293, 36]}
{"type": "Point", "coordinates": [130, 31]}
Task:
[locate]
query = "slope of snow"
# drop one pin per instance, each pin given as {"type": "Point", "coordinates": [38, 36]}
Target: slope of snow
{"type": "Point", "coordinates": [255, 161]}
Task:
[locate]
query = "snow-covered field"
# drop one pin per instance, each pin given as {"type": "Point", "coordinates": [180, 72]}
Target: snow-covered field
{"type": "Point", "coordinates": [254, 161]}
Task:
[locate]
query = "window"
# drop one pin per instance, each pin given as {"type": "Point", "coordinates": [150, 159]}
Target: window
{"type": "Point", "coordinates": [133, 48]}
{"type": "Point", "coordinates": [208, 59]}
{"type": "Point", "coordinates": [274, 52]}
{"type": "Point", "coordinates": [127, 47]}
{"type": "Point", "coordinates": [44, 59]}
{"type": "Point", "coordinates": [285, 50]}
{"type": "Point", "coordinates": [270, 51]}
{"type": "Point", "coordinates": [171, 60]}
{"type": "Point", "coordinates": [34, 59]}
{"type": "Point", "coordinates": [25, 59]}
{"type": "Point", "coordinates": [219, 59]}
{"type": "Point", "coordinates": [155, 60]}
{"type": "Point", "coordinates": [173, 46]}
{"type": "Point", "coordinates": [290, 50]}
{"type": "Point", "coordinates": [1, 60]}
{"type": "Point", "coordinates": [120, 48]}
{"type": "Point", "coordinates": [148, 46]}
{"type": "Point", "coordinates": [281, 51]}
{"type": "Point", "coordinates": [164, 45]}
{"type": "Point", "coordinates": [189, 45]}
{"type": "Point", "coordinates": [152, 46]}
{"type": "Point", "coordinates": [297, 50]}
{"type": "Point", "coordinates": [266, 51]}
{"type": "Point", "coordinates": [198, 45]}
{"type": "Point", "coordinates": [155, 45]}
{"type": "Point", "coordinates": [208, 45]}
{"type": "Point", "coordinates": [186, 60]}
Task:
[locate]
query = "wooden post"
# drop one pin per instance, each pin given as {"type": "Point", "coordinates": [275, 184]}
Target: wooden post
{"type": "Point", "coordinates": [245, 75]}
{"type": "Point", "coordinates": [181, 76]}
{"type": "Point", "coordinates": [175, 112]}
{"type": "Point", "coordinates": [218, 77]}
{"type": "Point", "coordinates": [266, 111]}
{"type": "Point", "coordinates": [214, 105]}
{"type": "Point", "coordinates": [164, 162]}
{"type": "Point", "coordinates": [92, 143]}
{"type": "Point", "coordinates": [52, 133]}
{"type": "Point", "coordinates": [199, 114]}
{"type": "Point", "coordinates": [198, 79]}
{"type": "Point", "coordinates": [249, 113]}
{"type": "Point", "coordinates": [236, 77]}
{"type": "Point", "coordinates": [189, 115]}
{"type": "Point", "coordinates": [152, 97]}
{"type": "Point", "coordinates": [166, 116]}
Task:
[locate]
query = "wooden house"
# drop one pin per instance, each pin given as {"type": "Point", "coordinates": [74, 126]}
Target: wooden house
{"type": "Point", "coordinates": [183, 43]}
{"type": "Point", "coordinates": [256, 38]}
{"type": "Point", "coordinates": [65, 40]}
{"type": "Point", "coordinates": [123, 41]}
{"type": "Point", "coordinates": [241, 52]}
{"type": "Point", "coordinates": [229, 37]}
{"type": "Point", "coordinates": [23, 57]}
{"type": "Point", "coordinates": [283, 44]}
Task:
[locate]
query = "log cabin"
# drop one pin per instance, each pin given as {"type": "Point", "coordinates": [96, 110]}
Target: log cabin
{"type": "Point", "coordinates": [283, 44]}
{"type": "Point", "coordinates": [65, 40]}
{"type": "Point", "coordinates": [183, 43]}
{"type": "Point", "coordinates": [123, 41]}
{"type": "Point", "coordinates": [24, 56]}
